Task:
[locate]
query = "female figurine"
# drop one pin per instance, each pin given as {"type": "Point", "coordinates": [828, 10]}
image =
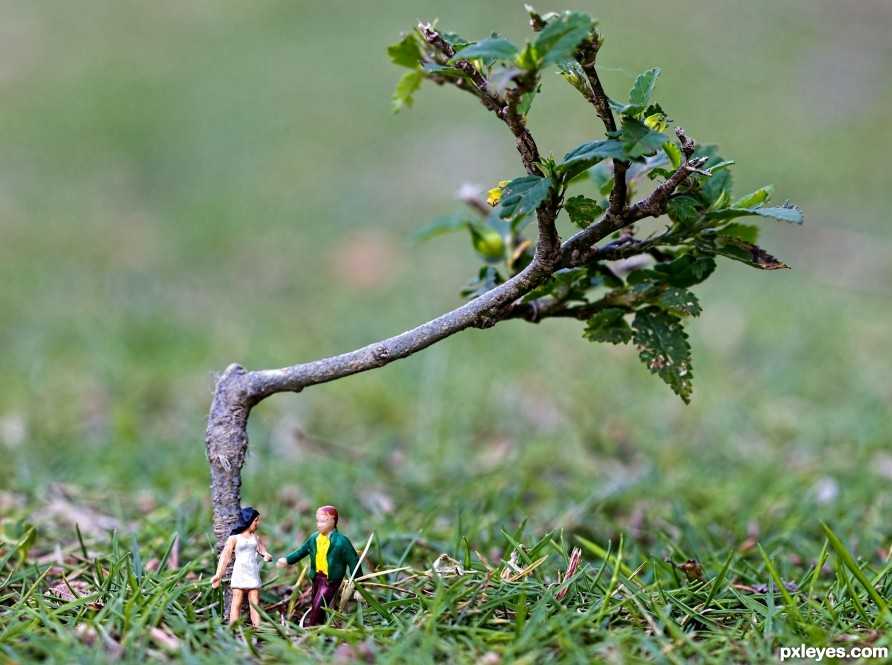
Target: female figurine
{"type": "Point", "coordinates": [245, 572]}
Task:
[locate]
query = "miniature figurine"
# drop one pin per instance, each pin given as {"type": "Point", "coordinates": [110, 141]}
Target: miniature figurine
{"type": "Point", "coordinates": [332, 557]}
{"type": "Point", "coordinates": [245, 572]}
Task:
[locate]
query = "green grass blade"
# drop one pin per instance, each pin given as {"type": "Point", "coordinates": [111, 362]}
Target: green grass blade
{"type": "Point", "coordinates": [849, 562]}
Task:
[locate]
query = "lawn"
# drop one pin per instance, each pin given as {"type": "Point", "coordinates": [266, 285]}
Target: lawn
{"type": "Point", "coordinates": [185, 185]}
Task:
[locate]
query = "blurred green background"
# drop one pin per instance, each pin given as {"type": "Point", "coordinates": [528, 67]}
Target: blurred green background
{"type": "Point", "coordinates": [185, 185]}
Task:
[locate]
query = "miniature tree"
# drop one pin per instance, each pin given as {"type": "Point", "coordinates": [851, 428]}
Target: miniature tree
{"type": "Point", "coordinates": [624, 288]}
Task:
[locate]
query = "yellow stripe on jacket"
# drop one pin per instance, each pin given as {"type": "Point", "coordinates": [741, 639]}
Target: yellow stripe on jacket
{"type": "Point", "coordinates": [322, 543]}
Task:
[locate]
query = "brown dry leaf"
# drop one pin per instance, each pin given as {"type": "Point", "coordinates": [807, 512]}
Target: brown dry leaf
{"type": "Point", "coordinates": [867, 637]}
{"type": "Point", "coordinates": [572, 565]}
{"type": "Point", "coordinates": [73, 590]}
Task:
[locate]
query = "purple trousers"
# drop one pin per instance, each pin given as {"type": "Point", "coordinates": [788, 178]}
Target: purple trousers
{"type": "Point", "coordinates": [324, 591]}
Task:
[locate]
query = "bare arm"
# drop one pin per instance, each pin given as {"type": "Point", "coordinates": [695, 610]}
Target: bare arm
{"type": "Point", "coordinates": [225, 555]}
{"type": "Point", "coordinates": [262, 550]}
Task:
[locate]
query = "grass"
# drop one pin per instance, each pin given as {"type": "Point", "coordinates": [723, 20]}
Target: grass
{"type": "Point", "coordinates": [167, 211]}
{"type": "Point", "coordinates": [144, 593]}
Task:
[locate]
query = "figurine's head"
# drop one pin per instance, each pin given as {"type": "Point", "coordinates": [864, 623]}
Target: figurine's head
{"type": "Point", "coordinates": [246, 518]}
{"type": "Point", "coordinates": [326, 519]}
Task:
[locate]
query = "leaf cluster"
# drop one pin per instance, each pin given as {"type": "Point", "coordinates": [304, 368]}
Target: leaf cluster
{"type": "Point", "coordinates": [625, 289]}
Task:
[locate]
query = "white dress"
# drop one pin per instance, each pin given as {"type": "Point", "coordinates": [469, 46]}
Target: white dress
{"type": "Point", "coordinates": [246, 570]}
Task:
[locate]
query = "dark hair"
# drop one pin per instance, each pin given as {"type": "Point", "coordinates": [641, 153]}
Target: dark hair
{"type": "Point", "coordinates": [330, 510]}
{"type": "Point", "coordinates": [246, 516]}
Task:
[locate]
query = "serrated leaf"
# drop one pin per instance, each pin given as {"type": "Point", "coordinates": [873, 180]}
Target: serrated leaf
{"type": "Point", "coordinates": [523, 195]}
{"type": "Point", "coordinates": [573, 73]}
{"type": "Point", "coordinates": [673, 152]}
{"type": "Point", "coordinates": [582, 210]}
{"type": "Point", "coordinates": [405, 54]}
{"type": "Point", "coordinates": [584, 156]}
{"type": "Point", "coordinates": [643, 88]}
{"type": "Point", "coordinates": [608, 325]}
{"type": "Point", "coordinates": [560, 37]}
{"type": "Point", "coordinates": [680, 301]}
{"type": "Point", "coordinates": [740, 250]}
{"type": "Point", "coordinates": [683, 210]}
{"type": "Point", "coordinates": [785, 213]}
{"type": "Point", "coordinates": [405, 89]}
{"type": "Point", "coordinates": [440, 226]}
{"type": "Point", "coordinates": [494, 48]}
{"type": "Point", "coordinates": [638, 141]}
{"type": "Point", "coordinates": [664, 349]}
{"type": "Point", "coordinates": [760, 196]}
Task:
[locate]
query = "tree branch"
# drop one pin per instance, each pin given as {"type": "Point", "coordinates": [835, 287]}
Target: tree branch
{"type": "Point", "coordinates": [548, 243]}
{"type": "Point", "coordinates": [587, 54]}
{"type": "Point", "coordinates": [580, 249]}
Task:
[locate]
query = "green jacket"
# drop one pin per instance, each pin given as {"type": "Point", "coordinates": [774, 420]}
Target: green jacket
{"type": "Point", "coordinates": [342, 558]}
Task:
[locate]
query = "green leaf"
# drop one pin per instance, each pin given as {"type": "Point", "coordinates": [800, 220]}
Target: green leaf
{"type": "Point", "coordinates": [687, 270]}
{"type": "Point", "coordinates": [745, 232]}
{"type": "Point", "coordinates": [440, 226]}
{"type": "Point", "coordinates": [560, 37]}
{"type": "Point", "coordinates": [602, 177]}
{"type": "Point", "coordinates": [442, 70]}
{"type": "Point", "coordinates": [664, 349]}
{"type": "Point", "coordinates": [740, 250]}
{"type": "Point", "coordinates": [720, 166]}
{"type": "Point", "coordinates": [719, 185]}
{"type": "Point", "coordinates": [523, 195]}
{"type": "Point", "coordinates": [683, 210]}
{"type": "Point", "coordinates": [527, 59]}
{"type": "Point", "coordinates": [760, 196]}
{"type": "Point", "coordinates": [582, 210]}
{"type": "Point", "coordinates": [586, 155]}
{"type": "Point", "coordinates": [638, 141]}
{"type": "Point", "coordinates": [527, 101]}
{"type": "Point", "coordinates": [785, 213]}
{"type": "Point", "coordinates": [573, 73]}
{"type": "Point", "coordinates": [487, 279]}
{"type": "Point", "coordinates": [641, 91]}
{"type": "Point", "coordinates": [673, 152]}
{"type": "Point", "coordinates": [608, 325]}
{"type": "Point", "coordinates": [408, 85]}
{"type": "Point", "coordinates": [454, 39]}
{"type": "Point", "coordinates": [571, 283]}
{"type": "Point", "coordinates": [495, 48]}
{"type": "Point", "coordinates": [405, 54]}
{"type": "Point", "coordinates": [680, 302]}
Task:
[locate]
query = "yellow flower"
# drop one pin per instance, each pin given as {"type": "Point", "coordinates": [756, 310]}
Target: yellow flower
{"type": "Point", "coordinates": [495, 194]}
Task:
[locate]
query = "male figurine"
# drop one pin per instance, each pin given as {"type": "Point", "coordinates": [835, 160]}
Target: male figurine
{"type": "Point", "coordinates": [332, 557]}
